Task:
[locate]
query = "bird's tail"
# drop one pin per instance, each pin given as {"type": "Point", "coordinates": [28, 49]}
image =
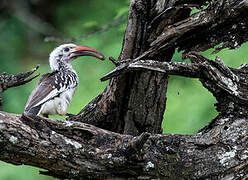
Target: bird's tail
{"type": "Point", "coordinates": [33, 111]}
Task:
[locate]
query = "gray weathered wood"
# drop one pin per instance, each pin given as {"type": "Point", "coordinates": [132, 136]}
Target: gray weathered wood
{"type": "Point", "coordinates": [8, 81]}
{"type": "Point", "coordinates": [70, 149]}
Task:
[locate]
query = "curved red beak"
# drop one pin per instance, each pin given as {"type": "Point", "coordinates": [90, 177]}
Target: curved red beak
{"type": "Point", "coordinates": [86, 51]}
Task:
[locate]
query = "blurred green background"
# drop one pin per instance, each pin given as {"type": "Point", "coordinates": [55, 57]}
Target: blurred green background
{"type": "Point", "coordinates": [24, 24]}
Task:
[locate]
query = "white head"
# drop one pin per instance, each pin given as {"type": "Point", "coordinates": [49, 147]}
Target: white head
{"type": "Point", "coordinates": [64, 54]}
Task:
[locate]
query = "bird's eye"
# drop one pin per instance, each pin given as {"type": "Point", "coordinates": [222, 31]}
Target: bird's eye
{"type": "Point", "coordinates": [66, 49]}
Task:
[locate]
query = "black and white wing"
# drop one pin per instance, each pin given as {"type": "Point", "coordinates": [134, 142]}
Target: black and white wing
{"type": "Point", "coordinates": [47, 88]}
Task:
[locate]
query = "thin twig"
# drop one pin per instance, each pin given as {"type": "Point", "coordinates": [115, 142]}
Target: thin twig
{"type": "Point", "coordinates": [172, 68]}
{"type": "Point", "coordinates": [113, 60]}
{"type": "Point", "coordinates": [21, 11]}
{"type": "Point", "coordinates": [8, 81]}
{"type": "Point", "coordinates": [101, 30]}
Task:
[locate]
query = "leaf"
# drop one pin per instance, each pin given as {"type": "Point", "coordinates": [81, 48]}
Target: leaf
{"type": "Point", "coordinates": [122, 12]}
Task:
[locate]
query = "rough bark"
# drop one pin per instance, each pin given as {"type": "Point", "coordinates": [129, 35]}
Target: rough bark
{"type": "Point", "coordinates": [155, 35]}
{"type": "Point", "coordinates": [121, 140]}
{"type": "Point", "coordinates": [134, 103]}
{"type": "Point", "coordinates": [70, 149]}
{"type": "Point", "coordinates": [8, 81]}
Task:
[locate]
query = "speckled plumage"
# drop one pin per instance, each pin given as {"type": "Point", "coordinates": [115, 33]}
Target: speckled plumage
{"type": "Point", "coordinates": [54, 91]}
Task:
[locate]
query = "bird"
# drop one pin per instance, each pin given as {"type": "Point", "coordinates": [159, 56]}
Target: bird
{"type": "Point", "coordinates": [54, 91]}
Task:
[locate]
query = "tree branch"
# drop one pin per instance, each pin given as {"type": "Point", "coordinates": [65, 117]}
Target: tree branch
{"type": "Point", "coordinates": [70, 149]}
{"type": "Point", "coordinates": [215, 75]}
{"type": "Point", "coordinates": [8, 81]}
{"type": "Point", "coordinates": [223, 22]}
{"type": "Point", "coordinates": [172, 68]}
{"type": "Point", "coordinates": [21, 10]}
{"type": "Point", "coordinates": [105, 28]}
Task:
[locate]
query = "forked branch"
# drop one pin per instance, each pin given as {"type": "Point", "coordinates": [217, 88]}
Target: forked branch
{"type": "Point", "coordinates": [70, 149]}
{"type": "Point", "coordinates": [215, 72]}
{"type": "Point", "coordinates": [8, 81]}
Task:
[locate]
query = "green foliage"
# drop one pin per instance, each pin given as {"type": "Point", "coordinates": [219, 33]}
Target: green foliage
{"type": "Point", "coordinates": [90, 25]}
{"type": "Point", "coordinates": [12, 172]}
{"type": "Point", "coordinates": [189, 106]}
{"type": "Point", "coordinates": [191, 99]}
{"type": "Point", "coordinates": [122, 12]}
{"type": "Point", "coordinates": [22, 49]}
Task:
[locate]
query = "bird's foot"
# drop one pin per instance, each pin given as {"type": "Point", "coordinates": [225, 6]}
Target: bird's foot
{"type": "Point", "coordinates": [45, 115]}
{"type": "Point", "coordinates": [70, 115]}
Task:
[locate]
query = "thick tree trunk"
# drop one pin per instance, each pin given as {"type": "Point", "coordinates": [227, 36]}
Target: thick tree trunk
{"type": "Point", "coordinates": [136, 101]}
{"type": "Point", "coordinates": [124, 140]}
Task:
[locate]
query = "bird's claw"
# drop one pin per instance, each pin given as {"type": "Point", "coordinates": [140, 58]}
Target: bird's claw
{"type": "Point", "coordinates": [70, 115]}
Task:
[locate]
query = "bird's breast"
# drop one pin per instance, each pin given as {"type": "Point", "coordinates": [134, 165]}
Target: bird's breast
{"type": "Point", "coordinates": [60, 104]}
{"type": "Point", "coordinates": [66, 96]}
{"type": "Point", "coordinates": [66, 80]}
{"type": "Point", "coordinates": [65, 84]}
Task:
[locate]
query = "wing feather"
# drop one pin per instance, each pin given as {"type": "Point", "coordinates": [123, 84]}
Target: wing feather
{"type": "Point", "coordinates": [46, 89]}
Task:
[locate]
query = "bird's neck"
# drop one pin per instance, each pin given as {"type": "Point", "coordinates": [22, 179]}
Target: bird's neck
{"type": "Point", "coordinates": [61, 66]}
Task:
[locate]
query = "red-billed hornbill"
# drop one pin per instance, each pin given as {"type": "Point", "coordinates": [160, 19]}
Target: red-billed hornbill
{"type": "Point", "coordinates": [55, 90]}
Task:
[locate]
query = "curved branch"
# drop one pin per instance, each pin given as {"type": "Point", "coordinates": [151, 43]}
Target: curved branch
{"type": "Point", "coordinates": [70, 149]}
{"type": "Point", "coordinates": [101, 30]}
{"type": "Point", "coordinates": [228, 79]}
{"type": "Point", "coordinates": [222, 22]}
{"type": "Point", "coordinates": [171, 68]}
{"type": "Point", "coordinates": [8, 81]}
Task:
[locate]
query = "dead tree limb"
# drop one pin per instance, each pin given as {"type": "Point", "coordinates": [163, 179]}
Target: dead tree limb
{"type": "Point", "coordinates": [70, 149]}
{"type": "Point", "coordinates": [8, 81]}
